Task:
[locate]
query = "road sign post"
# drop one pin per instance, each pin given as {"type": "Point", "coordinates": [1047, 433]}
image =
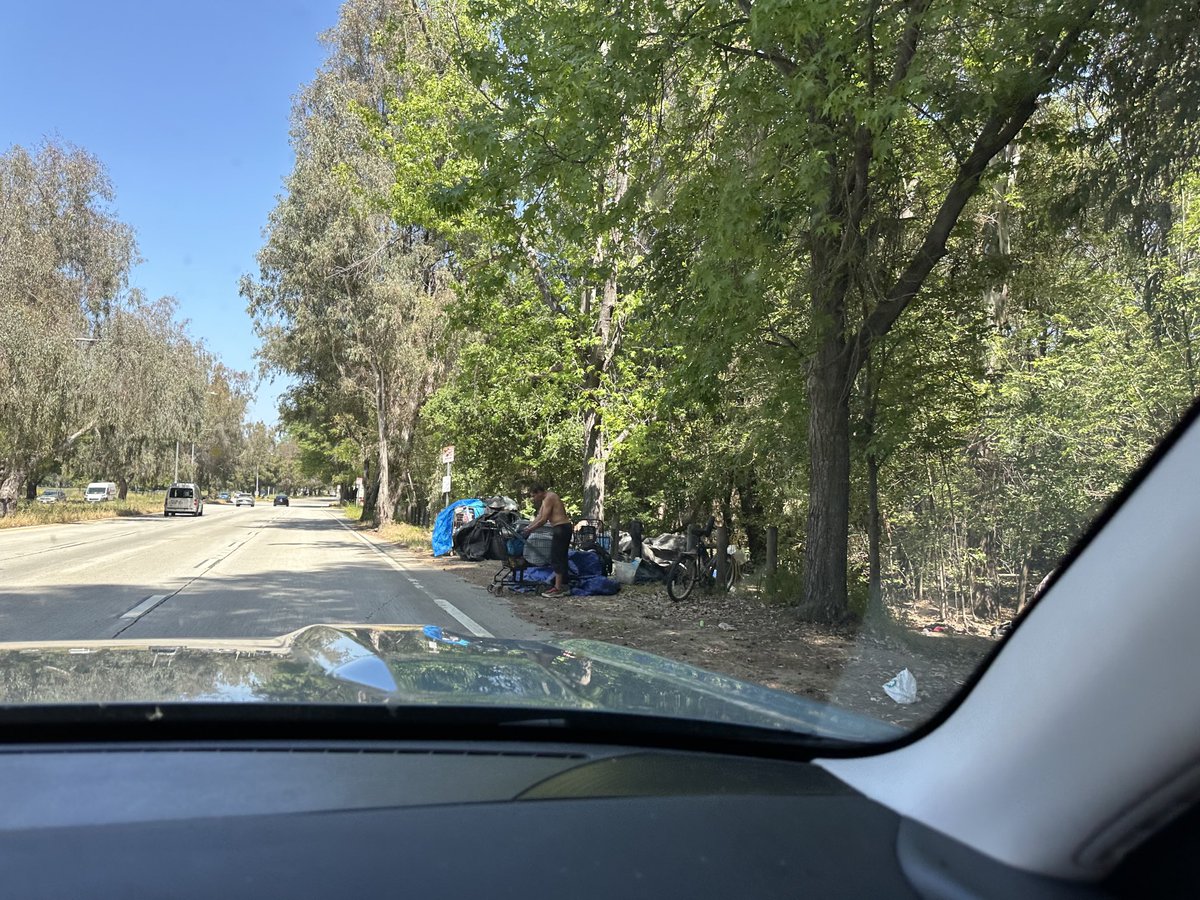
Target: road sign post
{"type": "Point", "coordinates": [448, 459]}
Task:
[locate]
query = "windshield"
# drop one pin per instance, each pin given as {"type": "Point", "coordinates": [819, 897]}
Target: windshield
{"type": "Point", "coordinates": [753, 368]}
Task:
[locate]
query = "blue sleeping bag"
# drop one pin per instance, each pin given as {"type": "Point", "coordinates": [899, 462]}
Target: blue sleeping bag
{"type": "Point", "coordinates": [587, 572]}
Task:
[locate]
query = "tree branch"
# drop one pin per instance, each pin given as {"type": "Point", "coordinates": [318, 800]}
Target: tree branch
{"type": "Point", "coordinates": [552, 301]}
{"type": "Point", "coordinates": [786, 66]}
{"type": "Point", "coordinates": [996, 134]}
{"type": "Point", "coordinates": [906, 49]}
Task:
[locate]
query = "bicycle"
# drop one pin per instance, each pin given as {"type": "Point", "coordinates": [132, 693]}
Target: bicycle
{"type": "Point", "coordinates": [700, 566]}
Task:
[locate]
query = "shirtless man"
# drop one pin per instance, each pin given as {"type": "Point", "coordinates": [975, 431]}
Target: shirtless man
{"type": "Point", "coordinates": [551, 511]}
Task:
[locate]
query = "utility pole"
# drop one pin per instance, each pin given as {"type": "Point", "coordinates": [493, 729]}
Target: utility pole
{"type": "Point", "coordinates": [175, 477]}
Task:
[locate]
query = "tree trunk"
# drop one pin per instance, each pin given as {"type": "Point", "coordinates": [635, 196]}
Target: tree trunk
{"type": "Point", "coordinates": [599, 365]}
{"type": "Point", "coordinates": [827, 537]}
{"type": "Point", "coordinates": [31, 486]}
{"type": "Point", "coordinates": [122, 487]}
{"type": "Point", "coordinates": [370, 492]}
{"type": "Point", "coordinates": [10, 488]}
{"type": "Point", "coordinates": [874, 568]}
{"type": "Point", "coordinates": [1023, 583]}
{"type": "Point", "coordinates": [753, 517]}
{"type": "Point", "coordinates": [594, 464]}
{"type": "Point", "coordinates": [384, 510]}
{"type": "Point", "coordinates": [997, 247]}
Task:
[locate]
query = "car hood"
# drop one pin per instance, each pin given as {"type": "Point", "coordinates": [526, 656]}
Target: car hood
{"type": "Point", "coordinates": [408, 665]}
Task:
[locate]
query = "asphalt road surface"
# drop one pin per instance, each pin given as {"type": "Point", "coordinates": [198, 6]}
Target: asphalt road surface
{"type": "Point", "coordinates": [233, 572]}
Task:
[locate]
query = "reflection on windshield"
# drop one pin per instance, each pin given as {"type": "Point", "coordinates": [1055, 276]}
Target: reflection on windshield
{"type": "Point", "coordinates": [328, 665]}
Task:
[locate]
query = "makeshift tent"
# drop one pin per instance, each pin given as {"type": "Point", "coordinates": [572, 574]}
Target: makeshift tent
{"type": "Point", "coordinates": [443, 526]}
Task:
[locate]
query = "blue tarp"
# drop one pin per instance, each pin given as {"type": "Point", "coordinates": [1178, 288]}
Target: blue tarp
{"type": "Point", "coordinates": [443, 526]}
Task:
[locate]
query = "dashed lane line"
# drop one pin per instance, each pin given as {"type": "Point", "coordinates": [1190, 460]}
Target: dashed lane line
{"type": "Point", "coordinates": [153, 602]}
{"type": "Point", "coordinates": [445, 605]}
{"type": "Point", "coordinates": [145, 606]}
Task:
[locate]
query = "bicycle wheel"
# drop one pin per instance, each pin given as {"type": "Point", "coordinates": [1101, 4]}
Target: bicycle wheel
{"type": "Point", "coordinates": [733, 573]}
{"type": "Point", "coordinates": [681, 578]}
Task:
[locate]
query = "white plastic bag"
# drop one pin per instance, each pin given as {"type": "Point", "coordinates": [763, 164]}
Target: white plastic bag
{"type": "Point", "coordinates": [625, 572]}
{"type": "Point", "coordinates": [902, 688]}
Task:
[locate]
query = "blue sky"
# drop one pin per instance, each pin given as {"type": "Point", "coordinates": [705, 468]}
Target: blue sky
{"type": "Point", "coordinates": [187, 106]}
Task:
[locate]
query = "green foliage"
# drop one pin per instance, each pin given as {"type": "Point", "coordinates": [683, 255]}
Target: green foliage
{"type": "Point", "coordinates": [662, 231]}
{"type": "Point", "coordinates": [99, 382]}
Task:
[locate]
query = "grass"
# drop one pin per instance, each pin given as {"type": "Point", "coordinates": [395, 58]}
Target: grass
{"type": "Point", "coordinates": [77, 510]}
{"type": "Point", "coordinates": [411, 537]}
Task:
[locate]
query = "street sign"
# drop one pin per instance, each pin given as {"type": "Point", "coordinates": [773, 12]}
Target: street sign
{"type": "Point", "coordinates": [448, 454]}
{"type": "Point", "coordinates": [445, 484]}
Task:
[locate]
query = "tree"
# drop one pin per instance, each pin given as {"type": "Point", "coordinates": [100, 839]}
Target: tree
{"type": "Point", "coordinates": [850, 146]}
{"type": "Point", "coordinates": [347, 295]}
{"type": "Point", "coordinates": [153, 386]}
{"type": "Point", "coordinates": [64, 261]}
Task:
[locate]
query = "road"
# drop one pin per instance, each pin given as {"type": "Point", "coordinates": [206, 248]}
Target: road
{"type": "Point", "coordinates": [233, 572]}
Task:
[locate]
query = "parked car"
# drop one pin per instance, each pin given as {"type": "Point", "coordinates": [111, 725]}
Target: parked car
{"type": "Point", "coordinates": [184, 497]}
{"type": "Point", "coordinates": [52, 495]}
{"type": "Point", "coordinates": [98, 491]}
{"type": "Point", "coordinates": [243, 499]}
{"type": "Point", "coordinates": [281, 500]}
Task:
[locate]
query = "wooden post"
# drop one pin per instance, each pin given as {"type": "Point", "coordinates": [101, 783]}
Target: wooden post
{"type": "Point", "coordinates": [722, 536]}
{"type": "Point", "coordinates": [772, 549]}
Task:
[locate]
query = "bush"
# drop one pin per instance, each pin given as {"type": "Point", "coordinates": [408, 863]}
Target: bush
{"type": "Point", "coordinates": [34, 513]}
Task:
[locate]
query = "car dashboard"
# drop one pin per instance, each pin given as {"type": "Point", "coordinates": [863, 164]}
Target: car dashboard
{"type": "Point", "coordinates": [503, 819]}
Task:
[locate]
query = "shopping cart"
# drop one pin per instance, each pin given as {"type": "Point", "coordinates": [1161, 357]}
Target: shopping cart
{"type": "Point", "coordinates": [512, 573]}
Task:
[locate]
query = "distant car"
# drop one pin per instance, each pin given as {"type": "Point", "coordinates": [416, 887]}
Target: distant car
{"type": "Point", "coordinates": [281, 500]}
{"type": "Point", "coordinates": [224, 495]}
{"type": "Point", "coordinates": [243, 499]}
{"type": "Point", "coordinates": [184, 497]}
{"type": "Point", "coordinates": [52, 495]}
{"type": "Point", "coordinates": [99, 491]}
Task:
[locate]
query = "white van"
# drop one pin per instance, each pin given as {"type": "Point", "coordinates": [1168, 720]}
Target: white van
{"type": "Point", "coordinates": [100, 490]}
{"type": "Point", "coordinates": [184, 497]}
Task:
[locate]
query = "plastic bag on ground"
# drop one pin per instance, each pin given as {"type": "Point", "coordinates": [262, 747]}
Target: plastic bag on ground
{"type": "Point", "coordinates": [902, 688]}
{"type": "Point", "coordinates": [625, 572]}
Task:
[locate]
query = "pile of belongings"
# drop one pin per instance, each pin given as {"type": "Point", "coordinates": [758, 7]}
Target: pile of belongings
{"type": "Point", "coordinates": [470, 527]}
{"type": "Point", "coordinates": [656, 555]}
{"type": "Point", "coordinates": [587, 575]}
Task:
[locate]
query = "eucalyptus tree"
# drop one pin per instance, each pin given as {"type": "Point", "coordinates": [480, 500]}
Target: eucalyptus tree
{"type": "Point", "coordinates": [226, 398]}
{"type": "Point", "coordinates": [153, 383]}
{"type": "Point", "coordinates": [347, 294]}
{"type": "Point", "coordinates": [64, 263]}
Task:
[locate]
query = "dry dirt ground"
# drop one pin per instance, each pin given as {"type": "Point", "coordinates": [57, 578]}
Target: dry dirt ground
{"type": "Point", "coordinates": [741, 635]}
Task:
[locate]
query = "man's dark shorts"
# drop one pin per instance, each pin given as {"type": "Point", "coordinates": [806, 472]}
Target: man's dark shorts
{"type": "Point", "coordinates": [560, 543]}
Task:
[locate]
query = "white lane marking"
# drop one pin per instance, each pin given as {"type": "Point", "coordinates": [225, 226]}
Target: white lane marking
{"type": "Point", "coordinates": [145, 606]}
{"type": "Point", "coordinates": [474, 627]}
{"type": "Point", "coordinates": [202, 563]}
